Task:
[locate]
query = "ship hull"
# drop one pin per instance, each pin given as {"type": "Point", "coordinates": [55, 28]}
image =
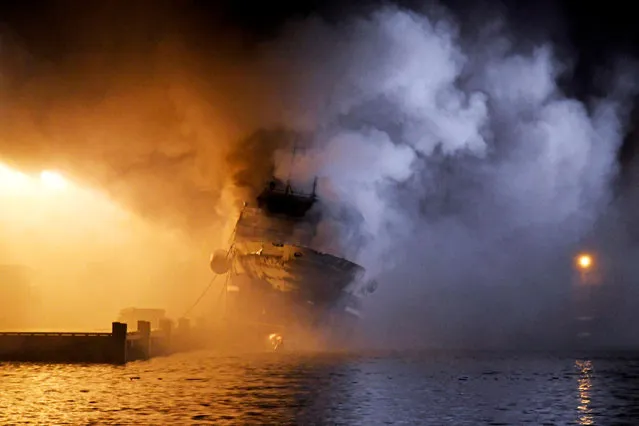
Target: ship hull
{"type": "Point", "coordinates": [293, 291]}
{"type": "Point", "coordinates": [279, 285]}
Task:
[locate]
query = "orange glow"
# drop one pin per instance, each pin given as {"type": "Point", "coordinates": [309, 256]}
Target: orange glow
{"type": "Point", "coordinates": [584, 261]}
{"type": "Point", "coordinates": [72, 258]}
{"type": "Point", "coordinates": [139, 185]}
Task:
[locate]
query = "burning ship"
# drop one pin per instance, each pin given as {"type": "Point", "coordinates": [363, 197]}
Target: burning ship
{"type": "Point", "coordinates": [277, 284]}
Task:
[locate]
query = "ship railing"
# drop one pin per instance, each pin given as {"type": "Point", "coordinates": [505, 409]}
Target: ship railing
{"type": "Point", "coordinates": [54, 334]}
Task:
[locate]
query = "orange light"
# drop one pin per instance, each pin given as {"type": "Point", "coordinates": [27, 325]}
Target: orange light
{"type": "Point", "coordinates": [584, 261]}
{"type": "Point", "coordinates": [53, 179]}
{"type": "Point", "coordinates": [276, 340]}
{"type": "Point", "coordinates": [13, 180]}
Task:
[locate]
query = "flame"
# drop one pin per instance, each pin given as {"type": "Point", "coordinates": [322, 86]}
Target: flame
{"type": "Point", "coordinates": [276, 340]}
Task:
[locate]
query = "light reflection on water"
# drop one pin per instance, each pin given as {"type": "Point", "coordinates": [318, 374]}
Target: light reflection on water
{"type": "Point", "coordinates": [585, 370]}
{"type": "Point", "coordinates": [440, 388]}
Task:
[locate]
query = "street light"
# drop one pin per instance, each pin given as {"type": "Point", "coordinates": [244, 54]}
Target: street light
{"type": "Point", "coordinates": [16, 182]}
{"type": "Point", "coordinates": [587, 270]}
{"type": "Point", "coordinates": [584, 261]}
{"type": "Point", "coordinates": [53, 179]}
{"type": "Point", "coordinates": [13, 180]}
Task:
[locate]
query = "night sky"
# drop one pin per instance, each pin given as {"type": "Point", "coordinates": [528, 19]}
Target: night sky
{"type": "Point", "coordinates": [52, 27]}
{"type": "Point", "coordinates": [58, 30]}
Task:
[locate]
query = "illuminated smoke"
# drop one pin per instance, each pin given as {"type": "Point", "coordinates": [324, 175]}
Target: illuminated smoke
{"type": "Point", "coordinates": [400, 102]}
{"type": "Point", "coordinates": [473, 174]}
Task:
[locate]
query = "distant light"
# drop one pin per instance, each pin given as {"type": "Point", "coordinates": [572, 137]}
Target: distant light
{"type": "Point", "coordinates": [53, 179]}
{"type": "Point", "coordinates": [584, 261]}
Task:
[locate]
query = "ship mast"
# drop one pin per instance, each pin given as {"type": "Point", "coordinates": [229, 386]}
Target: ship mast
{"type": "Point", "coordinates": [313, 194]}
{"type": "Point", "coordinates": [290, 170]}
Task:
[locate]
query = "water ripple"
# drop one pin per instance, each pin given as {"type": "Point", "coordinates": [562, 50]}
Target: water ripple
{"type": "Point", "coordinates": [208, 388]}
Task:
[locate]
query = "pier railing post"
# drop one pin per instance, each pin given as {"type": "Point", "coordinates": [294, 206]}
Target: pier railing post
{"type": "Point", "coordinates": [144, 329]}
{"type": "Point", "coordinates": [118, 343]}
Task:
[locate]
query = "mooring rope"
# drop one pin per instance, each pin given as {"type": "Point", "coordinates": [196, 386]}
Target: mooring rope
{"type": "Point", "coordinates": [228, 273]}
{"type": "Point", "coordinates": [208, 287]}
{"type": "Point", "coordinates": [200, 297]}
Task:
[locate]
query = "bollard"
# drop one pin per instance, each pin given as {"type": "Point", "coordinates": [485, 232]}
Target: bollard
{"type": "Point", "coordinates": [118, 343]}
{"type": "Point", "coordinates": [144, 330]}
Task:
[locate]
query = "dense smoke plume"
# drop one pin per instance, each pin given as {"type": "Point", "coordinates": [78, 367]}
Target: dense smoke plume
{"type": "Point", "coordinates": [475, 175]}
{"type": "Point", "coordinates": [407, 114]}
{"type": "Point", "coordinates": [452, 164]}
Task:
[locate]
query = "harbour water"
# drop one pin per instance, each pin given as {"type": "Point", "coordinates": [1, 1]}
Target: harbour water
{"type": "Point", "coordinates": [431, 388]}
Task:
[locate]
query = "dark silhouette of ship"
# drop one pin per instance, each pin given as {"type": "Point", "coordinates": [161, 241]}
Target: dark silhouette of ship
{"type": "Point", "coordinates": [278, 283]}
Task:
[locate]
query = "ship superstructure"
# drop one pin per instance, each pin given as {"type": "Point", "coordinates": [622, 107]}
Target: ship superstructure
{"type": "Point", "coordinates": [278, 281]}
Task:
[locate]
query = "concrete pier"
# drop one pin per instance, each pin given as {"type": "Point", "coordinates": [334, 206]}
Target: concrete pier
{"type": "Point", "coordinates": [138, 343]}
{"type": "Point", "coordinates": [65, 347]}
{"type": "Point", "coordinates": [117, 347]}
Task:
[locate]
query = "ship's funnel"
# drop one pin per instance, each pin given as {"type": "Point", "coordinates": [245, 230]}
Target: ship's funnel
{"type": "Point", "coordinates": [220, 262]}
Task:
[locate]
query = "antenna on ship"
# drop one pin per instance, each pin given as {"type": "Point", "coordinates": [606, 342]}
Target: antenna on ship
{"type": "Point", "coordinates": [290, 170]}
{"type": "Point", "coordinates": [314, 187]}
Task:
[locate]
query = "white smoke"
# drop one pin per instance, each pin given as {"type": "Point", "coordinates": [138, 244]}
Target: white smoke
{"type": "Point", "coordinates": [467, 163]}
